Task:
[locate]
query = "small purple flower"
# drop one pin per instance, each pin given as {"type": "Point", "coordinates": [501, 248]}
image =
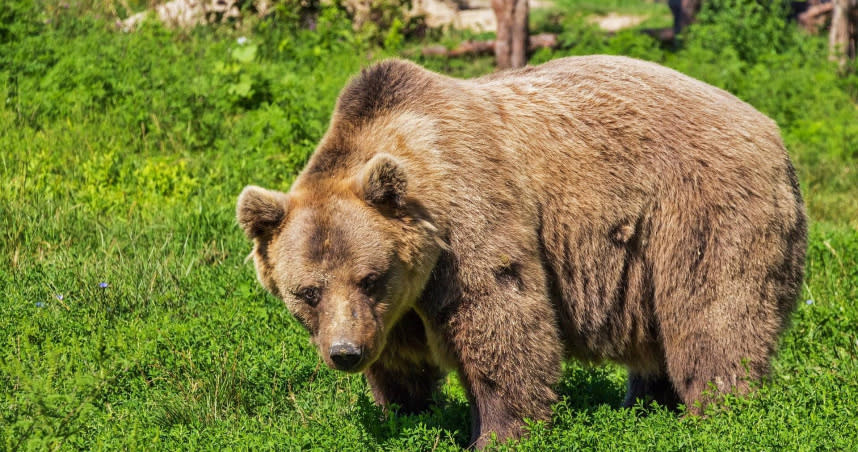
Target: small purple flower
{"type": "Point", "coordinates": [808, 302]}
{"type": "Point", "coordinates": [103, 285]}
{"type": "Point", "coordinates": [40, 304]}
{"type": "Point", "coordinates": [59, 296]}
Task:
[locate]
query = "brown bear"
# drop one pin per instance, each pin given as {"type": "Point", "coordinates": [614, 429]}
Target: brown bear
{"type": "Point", "coordinates": [599, 207]}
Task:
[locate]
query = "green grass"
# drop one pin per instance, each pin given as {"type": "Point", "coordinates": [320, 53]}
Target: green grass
{"type": "Point", "coordinates": [122, 155]}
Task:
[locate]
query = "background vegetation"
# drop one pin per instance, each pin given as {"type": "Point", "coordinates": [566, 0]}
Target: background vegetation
{"type": "Point", "coordinates": [130, 320]}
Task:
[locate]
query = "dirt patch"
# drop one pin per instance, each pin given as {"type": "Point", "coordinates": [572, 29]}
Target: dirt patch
{"type": "Point", "coordinates": [616, 22]}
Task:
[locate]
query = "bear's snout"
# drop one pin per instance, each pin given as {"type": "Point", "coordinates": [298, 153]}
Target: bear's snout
{"type": "Point", "coordinates": [345, 355]}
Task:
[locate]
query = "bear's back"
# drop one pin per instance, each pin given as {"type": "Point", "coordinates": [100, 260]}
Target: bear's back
{"type": "Point", "coordinates": [619, 124]}
{"type": "Point", "coordinates": [638, 105]}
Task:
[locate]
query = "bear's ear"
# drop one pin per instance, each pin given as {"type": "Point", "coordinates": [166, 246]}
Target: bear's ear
{"type": "Point", "coordinates": [383, 183]}
{"type": "Point", "coordinates": [259, 210]}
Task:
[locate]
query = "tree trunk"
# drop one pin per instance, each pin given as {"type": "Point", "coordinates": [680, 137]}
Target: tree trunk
{"type": "Point", "coordinates": [843, 38]}
{"type": "Point", "coordinates": [512, 32]}
{"type": "Point", "coordinates": [684, 12]}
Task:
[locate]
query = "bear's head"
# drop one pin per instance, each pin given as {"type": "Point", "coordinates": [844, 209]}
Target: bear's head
{"type": "Point", "coordinates": [348, 255]}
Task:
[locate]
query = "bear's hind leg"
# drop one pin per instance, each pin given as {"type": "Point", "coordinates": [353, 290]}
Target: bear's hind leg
{"type": "Point", "coordinates": [722, 294]}
{"type": "Point", "coordinates": [708, 362]}
{"type": "Point", "coordinates": [717, 337]}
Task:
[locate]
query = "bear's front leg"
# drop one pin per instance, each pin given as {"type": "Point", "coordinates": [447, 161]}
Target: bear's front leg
{"type": "Point", "coordinates": [411, 390]}
{"type": "Point", "coordinates": [404, 374]}
{"type": "Point", "coordinates": [506, 339]}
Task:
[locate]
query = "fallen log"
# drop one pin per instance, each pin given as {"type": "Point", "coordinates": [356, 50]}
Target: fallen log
{"type": "Point", "coordinates": [814, 18]}
{"type": "Point", "coordinates": [660, 34]}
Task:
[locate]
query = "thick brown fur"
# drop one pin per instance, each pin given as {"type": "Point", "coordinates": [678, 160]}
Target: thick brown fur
{"type": "Point", "coordinates": [601, 208]}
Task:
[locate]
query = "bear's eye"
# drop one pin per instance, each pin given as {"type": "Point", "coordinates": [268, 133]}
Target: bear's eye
{"type": "Point", "coordinates": [369, 283]}
{"type": "Point", "coordinates": [309, 295]}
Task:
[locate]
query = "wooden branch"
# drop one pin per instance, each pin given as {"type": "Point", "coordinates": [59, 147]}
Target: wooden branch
{"type": "Point", "coordinates": [535, 42]}
{"type": "Point", "coordinates": [813, 19]}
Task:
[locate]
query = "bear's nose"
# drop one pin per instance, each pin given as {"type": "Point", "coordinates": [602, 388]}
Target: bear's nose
{"type": "Point", "coordinates": [345, 355]}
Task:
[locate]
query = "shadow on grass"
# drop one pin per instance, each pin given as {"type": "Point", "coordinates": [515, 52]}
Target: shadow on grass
{"type": "Point", "coordinates": [447, 414]}
{"type": "Point", "coordinates": [588, 388]}
{"type": "Point", "coordinates": [581, 389]}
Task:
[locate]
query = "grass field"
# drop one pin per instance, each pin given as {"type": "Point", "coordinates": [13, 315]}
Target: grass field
{"type": "Point", "coordinates": [129, 319]}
